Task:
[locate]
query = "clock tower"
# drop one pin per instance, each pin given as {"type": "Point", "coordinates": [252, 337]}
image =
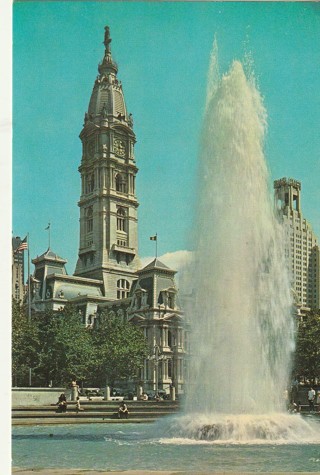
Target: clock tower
{"type": "Point", "coordinates": [108, 248]}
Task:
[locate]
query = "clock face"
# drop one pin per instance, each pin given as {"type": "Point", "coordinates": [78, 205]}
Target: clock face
{"type": "Point", "coordinates": [119, 147]}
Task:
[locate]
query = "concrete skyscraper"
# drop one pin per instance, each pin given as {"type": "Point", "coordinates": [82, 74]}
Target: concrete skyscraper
{"type": "Point", "coordinates": [302, 248]}
{"type": "Point", "coordinates": [18, 287]}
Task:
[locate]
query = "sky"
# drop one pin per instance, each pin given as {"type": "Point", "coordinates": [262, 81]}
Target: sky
{"type": "Point", "coordinates": [162, 50]}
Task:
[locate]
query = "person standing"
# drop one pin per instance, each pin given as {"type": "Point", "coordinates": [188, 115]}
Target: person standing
{"type": "Point", "coordinates": [318, 400]}
{"type": "Point", "coordinates": [295, 390]}
{"type": "Point", "coordinates": [311, 398]}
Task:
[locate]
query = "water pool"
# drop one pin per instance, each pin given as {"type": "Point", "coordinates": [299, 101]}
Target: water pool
{"type": "Point", "coordinates": [143, 446]}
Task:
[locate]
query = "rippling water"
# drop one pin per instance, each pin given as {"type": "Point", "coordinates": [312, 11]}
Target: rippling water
{"type": "Point", "coordinates": [149, 447]}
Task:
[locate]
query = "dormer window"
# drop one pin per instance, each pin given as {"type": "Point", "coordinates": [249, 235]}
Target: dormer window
{"type": "Point", "coordinates": [168, 298]}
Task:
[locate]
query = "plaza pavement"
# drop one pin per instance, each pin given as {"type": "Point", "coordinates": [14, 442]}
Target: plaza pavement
{"type": "Point", "coordinates": [63, 471]}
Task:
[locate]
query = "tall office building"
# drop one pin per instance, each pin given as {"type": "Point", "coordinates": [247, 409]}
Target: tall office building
{"type": "Point", "coordinates": [302, 249]}
{"type": "Point", "coordinates": [18, 287]}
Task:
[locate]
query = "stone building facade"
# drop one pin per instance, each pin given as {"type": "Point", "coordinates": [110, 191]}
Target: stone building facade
{"type": "Point", "coordinates": [17, 273]}
{"type": "Point", "coordinates": [108, 276]}
{"type": "Point", "coordinates": [302, 247]}
{"type": "Point", "coordinates": [108, 204]}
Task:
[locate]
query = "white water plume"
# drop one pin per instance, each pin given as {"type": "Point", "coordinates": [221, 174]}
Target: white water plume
{"type": "Point", "coordinates": [242, 324]}
{"type": "Point", "coordinates": [252, 429]}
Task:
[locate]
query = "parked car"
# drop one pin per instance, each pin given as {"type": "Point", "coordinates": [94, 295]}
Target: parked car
{"type": "Point", "coordinates": [161, 392]}
{"type": "Point", "coordinates": [91, 394]}
{"type": "Point", "coordinates": [116, 392]}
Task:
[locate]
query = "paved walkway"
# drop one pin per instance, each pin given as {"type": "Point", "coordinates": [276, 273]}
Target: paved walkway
{"type": "Point", "coordinates": [57, 471]}
{"type": "Point", "coordinates": [48, 421]}
{"type": "Point", "coordinates": [62, 471]}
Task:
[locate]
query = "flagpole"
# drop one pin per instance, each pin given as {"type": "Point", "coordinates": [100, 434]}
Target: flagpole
{"type": "Point", "coordinates": [29, 289]}
{"type": "Point", "coordinates": [48, 228]}
{"type": "Point", "coordinates": [155, 238]}
{"type": "Point", "coordinates": [29, 301]}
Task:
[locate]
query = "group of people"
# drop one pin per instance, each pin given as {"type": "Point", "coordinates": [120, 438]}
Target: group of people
{"type": "Point", "coordinates": [62, 404]}
{"type": "Point", "coordinates": [295, 404]}
{"type": "Point", "coordinates": [123, 412]}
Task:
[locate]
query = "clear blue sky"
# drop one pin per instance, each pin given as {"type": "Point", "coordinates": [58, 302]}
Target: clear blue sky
{"type": "Point", "coordinates": [162, 50]}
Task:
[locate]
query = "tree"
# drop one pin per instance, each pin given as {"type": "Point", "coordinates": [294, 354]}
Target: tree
{"type": "Point", "coordinates": [307, 356]}
{"type": "Point", "coordinates": [24, 344]}
{"type": "Point", "coordinates": [64, 347]}
{"type": "Point", "coordinates": [119, 350]}
{"type": "Point", "coordinates": [59, 348]}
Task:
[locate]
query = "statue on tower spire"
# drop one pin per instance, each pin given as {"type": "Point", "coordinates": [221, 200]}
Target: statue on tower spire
{"type": "Point", "coordinates": [107, 62]}
{"type": "Point", "coordinates": [107, 39]}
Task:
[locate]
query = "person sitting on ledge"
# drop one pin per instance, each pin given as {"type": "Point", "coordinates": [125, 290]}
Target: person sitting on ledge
{"type": "Point", "coordinates": [123, 412]}
{"type": "Point", "coordinates": [62, 403]}
{"type": "Point", "coordinates": [78, 406]}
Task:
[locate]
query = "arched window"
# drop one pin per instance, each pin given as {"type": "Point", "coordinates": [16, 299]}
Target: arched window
{"type": "Point", "coordinates": [123, 287]}
{"type": "Point", "coordinates": [89, 219]}
{"type": "Point", "coordinates": [121, 215]}
{"type": "Point", "coordinates": [121, 183]}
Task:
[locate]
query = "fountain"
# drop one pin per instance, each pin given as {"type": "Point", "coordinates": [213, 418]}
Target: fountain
{"type": "Point", "coordinates": [235, 415]}
{"type": "Point", "coordinates": [242, 318]}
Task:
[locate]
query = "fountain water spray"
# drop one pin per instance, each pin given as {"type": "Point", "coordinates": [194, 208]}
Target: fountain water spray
{"type": "Point", "coordinates": [242, 323]}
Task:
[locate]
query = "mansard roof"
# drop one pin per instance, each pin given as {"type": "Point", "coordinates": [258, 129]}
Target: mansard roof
{"type": "Point", "coordinates": [157, 265]}
{"type": "Point", "coordinates": [49, 255]}
{"type": "Point", "coordinates": [73, 287]}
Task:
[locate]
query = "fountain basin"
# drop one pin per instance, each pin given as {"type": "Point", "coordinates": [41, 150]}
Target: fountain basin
{"type": "Point", "coordinates": [150, 447]}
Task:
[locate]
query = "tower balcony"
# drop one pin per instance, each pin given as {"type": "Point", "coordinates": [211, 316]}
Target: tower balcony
{"type": "Point", "coordinates": [124, 249]}
{"type": "Point", "coordinates": [87, 248]}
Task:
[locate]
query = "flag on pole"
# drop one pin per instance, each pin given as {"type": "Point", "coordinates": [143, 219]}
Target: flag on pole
{"type": "Point", "coordinates": [153, 238]}
{"type": "Point", "coordinates": [23, 245]}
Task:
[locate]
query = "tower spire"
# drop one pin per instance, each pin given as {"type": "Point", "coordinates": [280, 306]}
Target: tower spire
{"type": "Point", "coordinates": [107, 64]}
{"type": "Point", "coordinates": [107, 39]}
{"type": "Point", "coordinates": [108, 204]}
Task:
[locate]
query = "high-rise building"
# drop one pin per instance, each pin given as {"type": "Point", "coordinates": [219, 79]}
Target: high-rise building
{"type": "Point", "coordinates": [108, 205]}
{"type": "Point", "coordinates": [302, 248]}
{"type": "Point", "coordinates": [18, 287]}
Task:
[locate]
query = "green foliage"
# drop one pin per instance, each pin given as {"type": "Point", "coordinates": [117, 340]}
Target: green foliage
{"type": "Point", "coordinates": [307, 356]}
{"type": "Point", "coordinates": [64, 349]}
{"type": "Point", "coordinates": [58, 348]}
{"type": "Point", "coordinates": [119, 350]}
{"type": "Point", "coordinates": [24, 344]}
